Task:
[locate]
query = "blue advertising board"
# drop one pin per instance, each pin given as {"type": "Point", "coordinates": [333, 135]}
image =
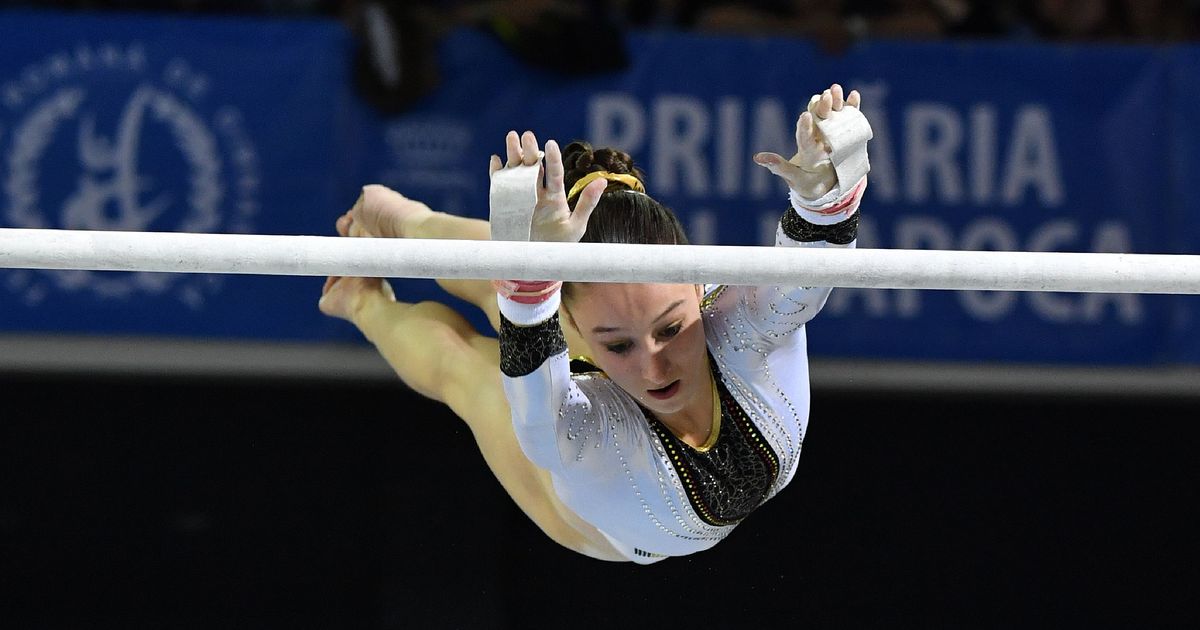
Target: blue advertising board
{"type": "Point", "coordinates": [151, 123]}
{"type": "Point", "coordinates": [1183, 207]}
{"type": "Point", "coordinates": [160, 124]}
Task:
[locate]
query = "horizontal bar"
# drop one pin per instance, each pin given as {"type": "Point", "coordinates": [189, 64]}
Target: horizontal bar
{"type": "Point", "coordinates": [593, 262]}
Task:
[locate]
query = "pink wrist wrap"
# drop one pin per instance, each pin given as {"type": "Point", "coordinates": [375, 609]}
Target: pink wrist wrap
{"type": "Point", "coordinates": [527, 291]}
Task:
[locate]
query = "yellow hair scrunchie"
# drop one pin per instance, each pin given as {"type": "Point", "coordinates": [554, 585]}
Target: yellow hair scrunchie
{"type": "Point", "coordinates": [628, 180]}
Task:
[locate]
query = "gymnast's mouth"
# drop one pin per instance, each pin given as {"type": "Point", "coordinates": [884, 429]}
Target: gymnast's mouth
{"type": "Point", "coordinates": [664, 393]}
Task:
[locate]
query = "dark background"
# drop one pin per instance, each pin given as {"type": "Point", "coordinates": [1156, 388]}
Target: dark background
{"type": "Point", "coordinates": [197, 503]}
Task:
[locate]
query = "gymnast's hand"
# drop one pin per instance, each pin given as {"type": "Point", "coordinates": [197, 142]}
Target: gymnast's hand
{"type": "Point", "coordinates": [810, 172]}
{"type": "Point", "coordinates": [553, 218]}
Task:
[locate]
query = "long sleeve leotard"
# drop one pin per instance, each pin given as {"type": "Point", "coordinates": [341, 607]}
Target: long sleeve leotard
{"type": "Point", "coordinates": [618, 467]}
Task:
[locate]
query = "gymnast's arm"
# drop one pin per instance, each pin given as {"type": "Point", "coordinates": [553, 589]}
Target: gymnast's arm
{"type": "Point", "coordinates": [554, 415]}
{"type": "Point", "coordinates": [775, 312]}
{"type": "Point", "coordinates": [824, 212]}
{"type": "Point", "coordinates": [560, 421]}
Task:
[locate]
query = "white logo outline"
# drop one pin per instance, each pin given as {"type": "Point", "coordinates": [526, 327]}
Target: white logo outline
{"type": "Point", "coordinates": [222, 163]}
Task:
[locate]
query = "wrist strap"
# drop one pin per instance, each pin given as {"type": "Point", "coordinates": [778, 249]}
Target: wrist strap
{"type": "Point", "coordinates": [833, 211]}
{"type": "Point", "coordinates": [527, 291]}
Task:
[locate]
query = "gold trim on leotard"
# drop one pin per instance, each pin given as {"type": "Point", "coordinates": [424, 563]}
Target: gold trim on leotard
{"type": "Point", "coordinates": [715, 431]}
{"type": "Point", "coordinates": [731, 479]}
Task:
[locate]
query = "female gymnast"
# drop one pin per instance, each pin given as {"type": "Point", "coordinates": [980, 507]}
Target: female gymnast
{"type": "Point", "coordinates": [692, 407]}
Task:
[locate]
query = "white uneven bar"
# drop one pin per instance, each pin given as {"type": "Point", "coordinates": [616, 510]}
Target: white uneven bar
{"type": "Point", "coordinates": [418, 258]}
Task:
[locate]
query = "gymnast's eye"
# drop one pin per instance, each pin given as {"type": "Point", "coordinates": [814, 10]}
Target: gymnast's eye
{"type": "Point", "coordinates": [671, 331]}
{"type": "Point", "coordinates": [618, 348]}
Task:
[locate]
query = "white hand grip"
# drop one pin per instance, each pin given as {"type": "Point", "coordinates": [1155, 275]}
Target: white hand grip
{"type": "Point", "coordinates": [847, 132]}
{"type": "Point", "coordinates": [511, 201]}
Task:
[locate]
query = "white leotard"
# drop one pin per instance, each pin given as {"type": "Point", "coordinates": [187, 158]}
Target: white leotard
{"type": "Point", "coordinates": [619, 469]}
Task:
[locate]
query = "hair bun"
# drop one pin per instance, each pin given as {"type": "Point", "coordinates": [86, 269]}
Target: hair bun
{"type": "Point", "coordinates": [579, 159]}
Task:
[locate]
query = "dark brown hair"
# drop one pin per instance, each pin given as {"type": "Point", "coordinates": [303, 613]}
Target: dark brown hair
{"type": "Point", "coordinates": [622, 215]}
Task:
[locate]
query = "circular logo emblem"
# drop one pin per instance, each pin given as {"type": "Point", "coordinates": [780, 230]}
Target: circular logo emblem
{"type": "Point", "coordinates": [102, 138]}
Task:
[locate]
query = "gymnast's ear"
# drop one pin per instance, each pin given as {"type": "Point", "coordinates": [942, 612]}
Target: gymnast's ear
{"type": "Point", "coordinates": [700, 292]}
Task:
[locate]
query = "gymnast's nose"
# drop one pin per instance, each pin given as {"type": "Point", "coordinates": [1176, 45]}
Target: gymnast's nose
{"type": "Point", "coordinates": [656, 366]}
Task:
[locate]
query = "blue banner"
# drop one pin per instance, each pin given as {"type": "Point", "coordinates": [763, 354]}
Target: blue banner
{"type": "Point", "coordinates": [161, 124]}
{"type": "Point", "coordinates": [150, 123]}
{"type": "Point", "coordinates": [1183, 208]}
{"type": "Point", "coordinates": [1003, 147]}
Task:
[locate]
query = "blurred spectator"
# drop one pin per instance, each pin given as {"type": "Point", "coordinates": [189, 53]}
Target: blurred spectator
{"type": "Point", "coordinates": [192, 6]}
{"type": "Point", "coordinates": [655, 14]}
{"type": "Point", "coordinates": [1001, 18]}
{"type": "Point", "coordinates": [396, 63]}
{"type": "Point", "coordinates": [1160, 20]}
{"type": "Point", "coordinates": [591, 29]}
{"type": "Point", "coordinates": [330, 7]}
{"type": "Point", "coordinates": [1113, 20]}
{"type": "Point", "coordinates": [1073, 19]}
{"type": "Point", "coordinates": [396, 59]}
{"type": "Point", "coordinates": [928, 19]}
{"type": "Point", "coordinates": [569, 37]}
{"type": "Point", "coordinates": [819, 20]}
{"type": "Point", "coordinates": [832, 23]}
{"type": "Point", "coordinates": [898, 18]}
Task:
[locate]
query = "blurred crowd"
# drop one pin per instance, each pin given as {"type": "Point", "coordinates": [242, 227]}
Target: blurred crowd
{"type": "Point", "coordinates": [1119, 20]}
{"type": "Point", "coordinates": [830, 21]}
{"type": "Point", "coordinates": [398, 37]}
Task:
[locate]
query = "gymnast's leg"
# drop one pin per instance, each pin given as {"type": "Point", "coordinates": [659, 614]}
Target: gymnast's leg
{"type": "Point", "coordinates": [440, 355]}
{"type": "Point", "coordinates": [383, 212]}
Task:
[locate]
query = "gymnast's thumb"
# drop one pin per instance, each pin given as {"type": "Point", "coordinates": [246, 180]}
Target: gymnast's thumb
{"type": "Point", "coordinates": [772, 161]}
{"type": "Point", "coordinates": [589, 198]}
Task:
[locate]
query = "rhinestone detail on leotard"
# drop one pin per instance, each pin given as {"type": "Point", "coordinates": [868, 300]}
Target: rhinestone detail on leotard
{"type": "Point", "coordinates": [728, 481]}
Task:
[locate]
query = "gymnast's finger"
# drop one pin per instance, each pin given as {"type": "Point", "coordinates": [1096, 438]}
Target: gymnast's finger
{"type": "Point", "coordinates": [805, 131]}
{"type": "Point", "coordinates": [529, 149]}
{"type": "Point", "coordinates": [824, 106]}
{"type": "Point", "coordinates": [512, 145]}
{"type": "Point", "coordinates": [589, 198]}
{"type": "Point", "coordinates": [777, 165]}
{"type": "Point", "coordinates": [554, 169]}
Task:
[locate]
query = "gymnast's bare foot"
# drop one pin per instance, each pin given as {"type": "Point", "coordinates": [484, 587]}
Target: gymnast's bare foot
{"type": "Point", "coordinates": [383, 212]}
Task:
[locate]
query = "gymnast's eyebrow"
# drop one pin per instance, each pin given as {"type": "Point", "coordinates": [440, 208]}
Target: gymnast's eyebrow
{"type": "Point", "coordinates": [667, 311]}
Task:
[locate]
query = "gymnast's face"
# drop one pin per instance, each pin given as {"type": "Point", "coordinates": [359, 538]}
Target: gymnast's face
{"type": "Point", "coordinates": [648, 338]}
